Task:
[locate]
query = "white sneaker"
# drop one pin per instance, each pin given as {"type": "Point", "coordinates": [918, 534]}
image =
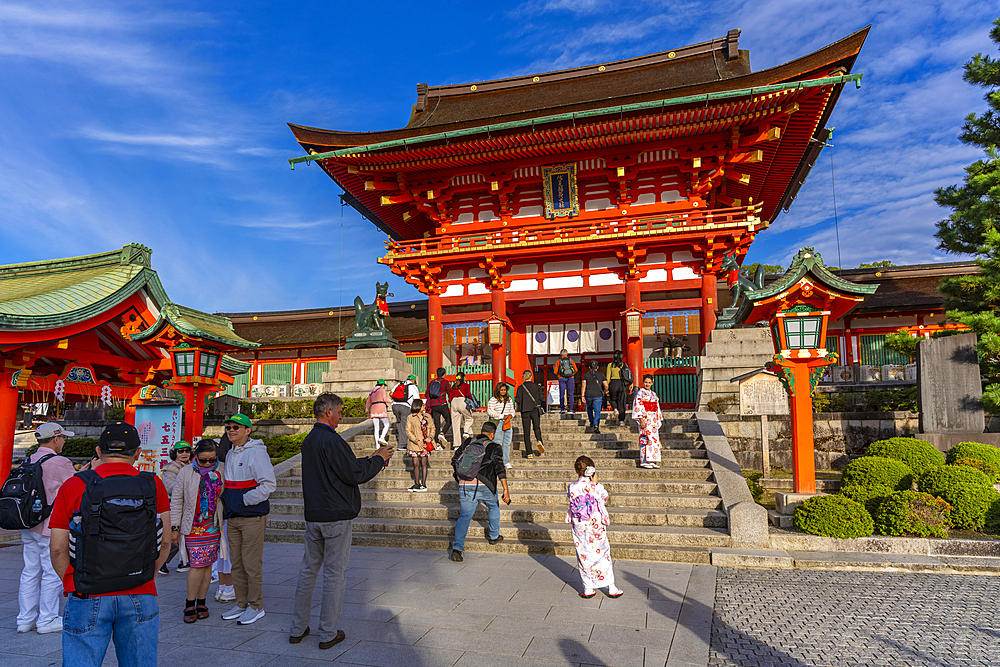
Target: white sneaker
{"type": "Point", "coordinates": [26, 627]}
{"type": "Point", "coordinates": [234, 613]}
{"type": "Point", "coordinates": [250, 615]}
{"type": "Point", "coordinates": [55, 625]}
{"type": "Point", "coordinates": [508, 465]}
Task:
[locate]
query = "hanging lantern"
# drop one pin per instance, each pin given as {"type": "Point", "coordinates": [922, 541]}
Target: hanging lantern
{"type": "Point", "coordinates": [633, 323]}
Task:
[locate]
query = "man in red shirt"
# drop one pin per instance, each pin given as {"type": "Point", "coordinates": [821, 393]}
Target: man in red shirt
{"type": "Point", "coordinates": [131, 616]}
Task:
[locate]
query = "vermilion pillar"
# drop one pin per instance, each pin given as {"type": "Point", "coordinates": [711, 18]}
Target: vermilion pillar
{"type": "Point", "coordinates": [633, 346]}
{"type": "Point", "coordinates": [803, 456]}
{"type": "Point", "coordinates": [435, 334]}
{"type": "Point", "coordinates": [499, 304]}
{"type": "Point", "coordinates": [709, 302]}
{"type": "Point", "coordinates": [519, 351]}
{"type": "Point", "coordinates": [8, 422]}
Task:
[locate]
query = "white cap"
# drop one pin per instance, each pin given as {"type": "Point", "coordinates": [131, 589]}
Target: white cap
{"type": "Point", "coordinates": [50, 430]}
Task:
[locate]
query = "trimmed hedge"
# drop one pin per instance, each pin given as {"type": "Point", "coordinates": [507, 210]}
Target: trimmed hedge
{"type": "Point", "coordinates": [915, 514]}
{"type": "Point", "coordinates": [74, 448]}
{"type": "Point", "coordinates": [988, 469]}
{"type": "Point", "coordinates": [967, 490]}
{"type": "Point", "coordinates": [869, 496]}
{"type": "Point", "coordinates": [988, 454]}
{"type": "Point", "coordinates": [919, 455]}
{"type": "Point", "coordinates": [302, 409]}
{"type": "Point", "coordinates": [878, 471]}
{"type": "Point", "coordinates": [833, 516]}
{"type": "Point", "coordinates": [281, 447]}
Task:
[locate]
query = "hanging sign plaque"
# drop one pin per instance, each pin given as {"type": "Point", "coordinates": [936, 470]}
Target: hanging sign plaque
{"type": "Point", "coordinates": [559, 185]}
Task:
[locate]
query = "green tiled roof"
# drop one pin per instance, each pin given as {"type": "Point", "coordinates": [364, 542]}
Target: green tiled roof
{"type": "Point", "coordinates": [195, 323]}
{"type": "Point", "coordinates": [807, 260]}
{"type": "Point", "coordinates": [233, 366]}
{"type": "Point", "coordinates": [43, 295]}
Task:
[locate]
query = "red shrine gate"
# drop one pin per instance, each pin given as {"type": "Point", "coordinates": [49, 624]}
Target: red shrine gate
{"type": "Point", "coordinates": [600, 196]}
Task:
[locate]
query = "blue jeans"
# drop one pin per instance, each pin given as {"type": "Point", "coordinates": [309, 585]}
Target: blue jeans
{"type": "Point", "coordinates": [504, 439]}
{"type": "Point", "coordinates": [567, 386]}
{"type": "Point", "coordinates": [469, 496]}
{"type": "Point", "coordinates": [594, 406]}
{"type": "Point", "coordinates": [88, 625]}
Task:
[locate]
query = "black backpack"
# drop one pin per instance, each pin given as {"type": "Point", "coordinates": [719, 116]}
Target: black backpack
{"type": "Point", "coordinates": [434, 389]}
{"type": "Point", "coordinates": [467, 465]}
{"type": "Point", "coordinates": [23, 503]}
{"type": "Point", "coordinates": [626, 375]}
{"type": "Point", "coordinates": [115, 539]}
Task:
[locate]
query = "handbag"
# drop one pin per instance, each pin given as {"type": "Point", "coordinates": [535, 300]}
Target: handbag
{"type": "Point", "coordinates": [472, 404]}
{"type": "Point", "coordinates": [506, 423]}
{"type": "Point", "coordinates": [430, 446]}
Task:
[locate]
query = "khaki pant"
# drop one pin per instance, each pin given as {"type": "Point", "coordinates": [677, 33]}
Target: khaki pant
{"type": "Point", "coordinates": [460, 417]}
{"type": "Point", "coordinates": [246, 551]}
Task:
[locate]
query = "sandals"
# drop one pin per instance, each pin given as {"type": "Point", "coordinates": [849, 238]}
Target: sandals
{"type": "Point", "coordinates": [202, 611]}
{"type": "Point", "coordinates": [190, 614]}
{"type": "Point", "coordinates": [588, 594]}
{"type": "Point", "coordinates": [615, 595]}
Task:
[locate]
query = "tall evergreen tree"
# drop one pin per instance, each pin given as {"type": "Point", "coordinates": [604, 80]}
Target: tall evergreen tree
{"type": "Point", "coordinates": [976, 204]}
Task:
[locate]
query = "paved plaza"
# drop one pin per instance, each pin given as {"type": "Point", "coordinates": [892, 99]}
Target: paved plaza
{"type": "Point", "coordinates": [793, 618]}
{"type": "Point", "coordinates": [413, 607]}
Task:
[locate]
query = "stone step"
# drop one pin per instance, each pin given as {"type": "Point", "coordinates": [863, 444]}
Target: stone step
{"type": "Point", "coordinates": [415, 509]}
{"type": "Point", "coordinates": [475, 543]}
{"type": "Point", "coordinates": [672, 486]}
{"type": "Point", "coordinates": [556, 532]}
{"type": "Point", "coordinates": [527, 497]}
{"type": "Point", "coordinates": [584, 446]}
{"type": "Point", "coordinates": [442, 470]}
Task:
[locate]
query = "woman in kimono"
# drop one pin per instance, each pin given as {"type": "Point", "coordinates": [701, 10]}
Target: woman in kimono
{"type": "Point", "coordinates": [589, 518]}
{"type": "Point", "coordinates": [646, 412]}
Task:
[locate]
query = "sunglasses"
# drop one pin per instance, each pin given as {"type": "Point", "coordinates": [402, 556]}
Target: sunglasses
{"type": "Point", "coordinates": [232, 427]}
{"type": "Point", "coordinates": [207, 462]}
{"type": "Point", "coordinates": [183, 450]}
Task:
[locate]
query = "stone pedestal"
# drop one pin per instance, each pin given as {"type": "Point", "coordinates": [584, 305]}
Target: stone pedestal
{"type": "Point", "coordinates": [730, 353]}
{"type": "Point", "coordinates": [355, 372]}
{"type": "Point", "coordinates": [787, 502]}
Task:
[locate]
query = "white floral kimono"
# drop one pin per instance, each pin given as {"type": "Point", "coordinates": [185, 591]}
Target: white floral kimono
{"type": "Point", "coordinates": [646, 412]}
{"type": "Point", "coordinates": [589, 516]}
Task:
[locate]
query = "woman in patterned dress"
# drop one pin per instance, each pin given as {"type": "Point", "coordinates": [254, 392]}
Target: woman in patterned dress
{"type": "Point", "coordinates": [196, 521]}
{"type": "Point", "coordinates": [589, 518]}
{"type": "Point", "coordinates": [646, 412]}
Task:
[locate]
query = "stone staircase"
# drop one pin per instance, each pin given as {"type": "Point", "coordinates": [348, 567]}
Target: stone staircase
{"type": "Point", "coordinates": [670, 514]}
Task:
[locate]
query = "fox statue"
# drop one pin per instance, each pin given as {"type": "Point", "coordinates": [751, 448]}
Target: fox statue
{"type": "Point", "coordinates": [372, 317]}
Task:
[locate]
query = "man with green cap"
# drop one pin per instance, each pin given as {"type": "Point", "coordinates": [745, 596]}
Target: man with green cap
{"type": "Point", "coordinates": [249, 480]}
{"type": "Point", "coordinates": [403, 395]}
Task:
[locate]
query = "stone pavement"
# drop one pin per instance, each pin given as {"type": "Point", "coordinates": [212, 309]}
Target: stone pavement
{"type": "Point", "coordinates": [795, 618]}
{"type": "Point", "coordinates": [417, 608]}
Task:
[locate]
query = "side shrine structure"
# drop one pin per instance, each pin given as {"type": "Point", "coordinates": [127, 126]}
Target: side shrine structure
{"type": "Point", "coordinates": [575, 208]}
{"type": "Point", "coordinates": [101, 328]}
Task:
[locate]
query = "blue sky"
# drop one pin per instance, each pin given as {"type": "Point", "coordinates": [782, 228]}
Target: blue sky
{"type": "Point", "coordinates": [164, 123]}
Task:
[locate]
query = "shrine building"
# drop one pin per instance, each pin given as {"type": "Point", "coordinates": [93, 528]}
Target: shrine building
{"type": "Point", "coordinates": [572, 209]}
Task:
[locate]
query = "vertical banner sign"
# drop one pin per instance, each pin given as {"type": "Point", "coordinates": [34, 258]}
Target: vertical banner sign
{"type": "Point", "coordinates": [559, 186]}
{"type": "Point", "coordinates": [159, 428]}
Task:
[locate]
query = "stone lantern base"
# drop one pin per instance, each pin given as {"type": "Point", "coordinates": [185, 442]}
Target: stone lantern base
{"type": "Point", "coordinates": [355, 372]}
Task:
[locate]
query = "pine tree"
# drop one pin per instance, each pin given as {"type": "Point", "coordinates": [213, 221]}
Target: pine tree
{"type": "Point", "coordinates": [976, 204]}
{"type": "Point", "coordinates": [974, 300]}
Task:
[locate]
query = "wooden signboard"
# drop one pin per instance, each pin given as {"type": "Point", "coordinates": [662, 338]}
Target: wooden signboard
{"type": "Point", "coordinates": [761, 393]}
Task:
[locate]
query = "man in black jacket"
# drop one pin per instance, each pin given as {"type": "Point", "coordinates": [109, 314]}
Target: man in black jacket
{"type": "Point", "coordinates": [483, 489]}
{"type": "Point", "coordinates": [331, 475]}
{"type": "Point", "coordinates": [529, 401]}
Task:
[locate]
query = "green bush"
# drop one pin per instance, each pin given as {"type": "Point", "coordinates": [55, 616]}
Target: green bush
{"type": "Point", "coordinates": [756, 490]}
{"type": "Point", "coordinates": [919, 455]}
{"type": "Point", "coordinates": [869, 496]}
{"type": "Point", "coordinates": [878, 471]}
{"type": "Point", "coordinates": [968, 491]}
{"type": "Point", "coordinates": [281, 447]}
{"type": "Point", "coordinates": [988, 454]}
{"type": "Point", "coordinates": [911, 513]}
{"type": "Point", "coordinates": [988, 469]}
{"type": "Point", "coordinates": [303, 409]}
{"type": "Point", "coordinates": [833, 516]}
{"type": "Point", "coordinates": [74, 448]}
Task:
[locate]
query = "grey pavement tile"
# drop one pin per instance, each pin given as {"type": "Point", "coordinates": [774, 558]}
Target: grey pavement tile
{"type": "Point", "coordinates": [624, 617]}
{"type": "Point", "coordinates": [657, 658]}
{"type": "Point", "coordinates": [390, 574]}
{"type": "Point", "coordinates": [655, 621]}
{"type": "Point", "coordinates": [450, 578]}
{"type": "Point", "coordinates": [518, 609]}
{"type": "Point", "coordinates": [567, 599]}
{"type": "Point", "coordinates": [667, 592]}
{"type": "Point", "coordinates": [230, 637]}
{"type": "Point", "coordinates": [665, 607]}
{"type": "Point", "coordinates": [111, 658]}
{"type": "Point", "coordinates": [530, 627]}
{"type": "Point", "coordinates": [378, 654]}
{"type": "Point", "coordinates": [367, 612]}
{"type": "Point", "coordinates": [499, 593]}
{"type": "Point", "coordinates": [624, 636]}
{"type": "Point", "coordinates": [691, 644]}
{"type": "Point", "coordinates": [198, 655]}
{"type": "Point", "coordinates": [20, 660]}
{"type": "Point", "coordinates": [394, 586]}
{"type": "Point", "coordinates": [319, 659]}
{"type": "Point", "coordinates": [588, 653]}
{"type": "Point", "coordinates": [392, 632]}
{"type": "Point", "coordinates": [547, 584]}
{"type": "Point", "coordinates": [436, 602]}
{"type": "Point", "coordinates": [473, 659]}
{"type": "Point", "coordinates": [483, 642]}
{"type": "Point", "coordinates": [28, 643]}
{"type": "Point", "coordinates": [445, 619]}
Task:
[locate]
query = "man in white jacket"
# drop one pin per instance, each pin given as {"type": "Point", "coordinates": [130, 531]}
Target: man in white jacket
{"type": "Point", "coordinates": [249, 479]}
